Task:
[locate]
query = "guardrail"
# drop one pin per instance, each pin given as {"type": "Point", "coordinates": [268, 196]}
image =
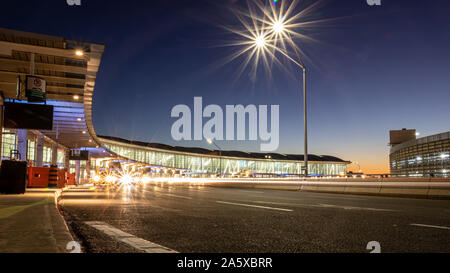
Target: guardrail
{"type": "Point", "coordinates": [396, 188]}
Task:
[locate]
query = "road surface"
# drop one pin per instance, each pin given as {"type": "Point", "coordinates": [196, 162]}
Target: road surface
{"type": "Point", "coordinates": [198, 219]}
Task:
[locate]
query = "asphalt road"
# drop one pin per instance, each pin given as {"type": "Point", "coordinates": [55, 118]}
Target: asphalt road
{"type": "Point", "coordinates": [199, 219]}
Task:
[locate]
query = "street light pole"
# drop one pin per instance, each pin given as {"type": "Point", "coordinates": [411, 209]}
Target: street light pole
{"type": "Point", "coordinates": [359, 166]}
{"type": "Point", "coordinates": [305, 112]}
{"type": "Point", "coordinates": [305, 122]}
{"type": "Point", "coordinates": [305, 108]}
{"type": "Point", "coordinates": [278, 26]}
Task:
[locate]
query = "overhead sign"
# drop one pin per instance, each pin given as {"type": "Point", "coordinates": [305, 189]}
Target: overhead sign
{"type": "Point", "coordinates": [35, 89]}
{"type": "Point", "coordinates": [27, 116]}
{"type": "Point", "coordinates": [78, 155]}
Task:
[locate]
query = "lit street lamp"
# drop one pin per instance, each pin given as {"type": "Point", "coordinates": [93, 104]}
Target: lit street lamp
{"type": "Point", "coordinates": [359, 167]}
{"type": "Point", "coordinates": [278, 30]}
{"type": "Point", "coordinates": [271, 31]}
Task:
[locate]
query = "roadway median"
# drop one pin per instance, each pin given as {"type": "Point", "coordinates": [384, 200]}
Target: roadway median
{"type": "Point", "coordinates": [377, 187]}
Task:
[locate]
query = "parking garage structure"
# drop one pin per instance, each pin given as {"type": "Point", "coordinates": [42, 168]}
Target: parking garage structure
{"type": "Point", "coordinates": [423, 157]}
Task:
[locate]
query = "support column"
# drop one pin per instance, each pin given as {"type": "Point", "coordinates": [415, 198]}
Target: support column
{"type": "Point", "coordinates": [39, 151]}
{"type": "Point", "coordinates": [77, 172]}
{"type": "Point", "coordinates": [66, 160]}
{"type": "Point", "coordinates": [88, 169]}
{"type": "Point", "coordinates": [22, 144]}
{"type": "Point", "coordinates": [1, 124]}
{"type": "Point", "coordinates": [54, 154]}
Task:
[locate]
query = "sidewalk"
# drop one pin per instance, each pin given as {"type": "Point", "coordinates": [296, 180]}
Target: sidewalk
{"type": "Point", "coordinates": [31, 223]}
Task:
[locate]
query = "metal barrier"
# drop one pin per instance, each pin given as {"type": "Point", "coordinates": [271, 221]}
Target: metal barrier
{"type": "Point", "coordinates": [70, 178]}
{"type": "Point", "coordinates": [38, 177]}
{"type": "Point", "coordinates": [62, 178]}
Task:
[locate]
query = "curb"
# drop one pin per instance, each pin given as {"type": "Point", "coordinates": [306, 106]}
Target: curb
{"type": "Point", "coordinates": [68, 246]}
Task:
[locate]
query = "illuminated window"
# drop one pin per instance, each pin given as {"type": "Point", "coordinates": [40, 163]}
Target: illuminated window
{"type": "Point", "coordinates": [61, 159]}
{"type": "Point", "coordinates": [31, 146]}
{"type": "Point", "coordinates": [47, 155]}
{"type": "Point", "coordinates": [8, 142]}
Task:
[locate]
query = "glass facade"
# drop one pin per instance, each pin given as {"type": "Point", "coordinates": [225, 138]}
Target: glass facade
{"type": "Point", "coordinates": [425, 157]}
{"type": "Point", "coordinates": [61, 159]}
{"type": "Point", "coordinates": [198, 163]}
{"type": "Point", "coordinates": [47, 155]}
{"type": "Point", "coordinates": [8, 142]}
{"type": "Point", "coordinates": [72, 166]}
{"type": "Point", "coordinates": [31, 147]}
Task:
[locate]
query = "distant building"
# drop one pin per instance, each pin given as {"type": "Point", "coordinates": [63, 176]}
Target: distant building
{"type": "Point", "coordinates": [423, 157]}
{"type": "Point", "coordinates": [400, 136]}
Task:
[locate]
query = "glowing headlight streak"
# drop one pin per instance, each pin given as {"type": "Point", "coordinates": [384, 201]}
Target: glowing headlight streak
{"type": "Point", "coordinates": [145, 179]}
{"type": "Point", "coordinates": [110, 179]}
{"type": "Point", "coordinates": [126, 179]}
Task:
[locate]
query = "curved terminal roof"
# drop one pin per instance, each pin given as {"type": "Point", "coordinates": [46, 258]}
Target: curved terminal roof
{"type": "Point", "coordinates": [70, 80]}
{"type": "Point", "coordinates": [202, 151]}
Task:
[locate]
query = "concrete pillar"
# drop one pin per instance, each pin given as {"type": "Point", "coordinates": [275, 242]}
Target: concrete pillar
{"type": "Point", "coordinates": [22, 144]}
{"type": "Point", "coordinates": [66, 160]}
{"type": "Point", "coordinates": [1, 125]}
{"type": "Point", "coordinates": [54, 154]}
{"type": "Point", "coordinates": [39, 151]}
{"type": "Point", "coordinates": [88, 169]}
{"type": "Point", "coordinates": [77, 172]}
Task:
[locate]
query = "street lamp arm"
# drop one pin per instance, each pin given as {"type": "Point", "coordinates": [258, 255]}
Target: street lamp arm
{"type": "Point", "coordinates": [300, 64]}
{"type": "Point", "coordinates": [305, 119]}
{"type": "Point", "coordinates": [216, 146]}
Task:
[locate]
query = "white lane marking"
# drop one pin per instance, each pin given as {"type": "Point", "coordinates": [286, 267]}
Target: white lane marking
{"type": "Point", "coordinates": [129, 239]}
{"type": "Point", "coordinates": [285, 204]}
{"type": "Point", "coordinates": [354, 208]}
{"type": "Point", "coordinates": [322, 206]}
{"type": "Point", "coordinates": [430, 226]}
{"type": "Point", "coordinates": [198, 189]}
{"type": "Point", "coordinates": [174, 195]}
{"type": "Point", "coordinates": [169, 194]}
{"type": "Point", "coordinates": [318, 197]}
{"type": "Point", "coordinates": [252, 206]}
{"type": "Point", "coordinates": [257, 192]}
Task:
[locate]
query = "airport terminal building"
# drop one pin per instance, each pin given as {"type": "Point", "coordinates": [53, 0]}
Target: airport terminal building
{"type": "Point", "coordinates": [67, 70]}
{"type": "Point", "coordinates": [423, 157]}
{"type": "Point", "coordinates": [203, 161]}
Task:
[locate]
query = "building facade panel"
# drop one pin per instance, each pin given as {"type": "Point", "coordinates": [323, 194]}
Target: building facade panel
{"type": "Point", "coordinates": [424, 157]}
{"type": "Point", "coordinates": [197, 163]}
